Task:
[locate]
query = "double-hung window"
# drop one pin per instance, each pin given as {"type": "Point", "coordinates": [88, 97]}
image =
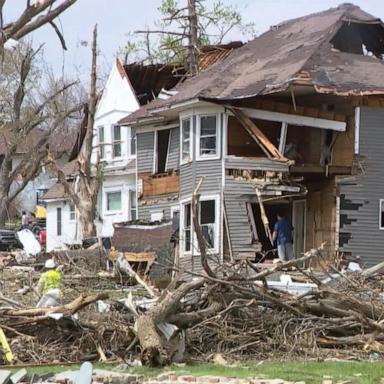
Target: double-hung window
{"type": "Point", "coordinates": [187, 228]}
{"type": "Point", "coordinates": [72, 212]}
{"type": "Point", "coordinates": [207, 145]}
{"type": "Point", "coordinates": [207, 213]}
{"type": "Point", "coordinates": [116, 140]}
{"type": "Point", "coordinates": [208, 225]}
{"type": "Point", "coordinates": [101, 135]}
{"type": "Point", "coordinates": [133, 142]}
{"type": "Point", "coordinates": [113, 201]}
{"type": "Point", "coordinates": [186, 142]}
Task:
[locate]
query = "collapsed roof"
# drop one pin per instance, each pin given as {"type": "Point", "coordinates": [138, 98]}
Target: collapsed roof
{"type": "Point", "coordinates": [148, 80]}
{"type": "Point", "coordinates": [336, 51]}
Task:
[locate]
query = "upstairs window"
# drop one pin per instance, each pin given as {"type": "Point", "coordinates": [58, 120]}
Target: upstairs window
{"type": "Point", "coordinates": [133, 142]}
{"type": "Point", "coordinates": [186, 140]}
{"type": "Point", "coordinates": [207, 136]}
{"type": "Point", "coordinates": [101, 142]}
{"type": "Point", "coordinates": [72, 212]}
{"type": "Point", "coordinates": [116, 140]}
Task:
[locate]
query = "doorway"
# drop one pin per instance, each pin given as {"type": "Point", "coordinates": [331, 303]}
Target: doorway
{"type": "Point", "coordinates": [299, 209]}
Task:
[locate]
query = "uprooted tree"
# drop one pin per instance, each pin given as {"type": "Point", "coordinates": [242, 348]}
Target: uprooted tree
{"type": "Point", "coordinates": [84, 193]}
{"type": "Point", "coordinates": [30, 114]}
{"type": "Point", "coordinates": [34, 16]}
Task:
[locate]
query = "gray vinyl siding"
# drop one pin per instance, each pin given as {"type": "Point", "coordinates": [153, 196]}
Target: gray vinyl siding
{"type": "Point", "coordinates": [174, 149]}
{"type": "Point", "coordinates": [360, 195]}
{"type": "Point", "coordinates": [165, 205]}
{"type": "Point", "coordinates": [145, 148]}
{"type": "Point", "coordinates": [255, 164]}
{"type": "Point", "coordinates": [191, 173]}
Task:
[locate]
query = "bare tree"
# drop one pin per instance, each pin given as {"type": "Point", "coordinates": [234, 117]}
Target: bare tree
{"type": "Point", "coordinates": [84, 193]}
{"type": "Point", "coordinates": [29, 116]}
{"type": "Point", "coordinates": [183, 29]}
{"type": "Point", "coordinates": [34, 16]}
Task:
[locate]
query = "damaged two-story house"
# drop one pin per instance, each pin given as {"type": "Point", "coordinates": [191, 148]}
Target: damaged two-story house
{"type": "Point", "coordinates": [291, 122]}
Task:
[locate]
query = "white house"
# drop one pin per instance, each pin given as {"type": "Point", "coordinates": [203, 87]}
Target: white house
{"type": "Point", "coordinates": [116, 147]}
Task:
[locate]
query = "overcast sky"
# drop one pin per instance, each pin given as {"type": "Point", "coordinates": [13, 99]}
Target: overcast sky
{"type": "Point", "coordinates": [116, 18]}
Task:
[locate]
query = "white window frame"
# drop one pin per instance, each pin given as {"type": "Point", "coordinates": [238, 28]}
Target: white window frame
{"type": "Point", "coordinates": [102, 144]}
{"type": "Point", "coordinates": [381, 206]}
{"type": "Point", "coordinates": [132, 191]}
{"type": "Point", "coordinates": [113, 142]}
{"type": "Point", "coordinates": [74, 212]}
{"type": "Point", "coordinates": [194, 246]}
{"type": "Point", "coordinates": [200, 157]}
{"type": "Point", "coordinates": [132, 136]}
{"type": "Point", "coordinates": [190, 118]}
{"type": "Point", "coordinates": [105, 203]}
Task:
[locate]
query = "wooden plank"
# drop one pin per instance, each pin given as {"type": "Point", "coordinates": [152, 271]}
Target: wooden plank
{"type": "Point", "coordinates": [139, 257]}
{"type": "Point", "coordinates": [270, 150]}
{"type": "Point", "coordinates": [295, 119]}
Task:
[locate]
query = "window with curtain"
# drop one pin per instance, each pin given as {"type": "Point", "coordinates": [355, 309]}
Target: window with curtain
{"type": "Point", "coordinates": [208, 135]}
{"type": "Point", "coordinates": [101, 142]}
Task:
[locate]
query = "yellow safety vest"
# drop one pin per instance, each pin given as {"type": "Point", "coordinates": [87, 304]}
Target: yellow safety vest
{"type": "Point", "coordinates": [51, 280]}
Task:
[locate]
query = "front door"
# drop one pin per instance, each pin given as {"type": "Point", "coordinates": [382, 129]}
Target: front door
{"type": "Point", "coordinates": [298, 221]}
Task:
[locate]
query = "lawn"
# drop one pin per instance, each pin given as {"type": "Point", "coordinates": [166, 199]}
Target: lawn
{"type": "Point", "coordinates": [311, 373]}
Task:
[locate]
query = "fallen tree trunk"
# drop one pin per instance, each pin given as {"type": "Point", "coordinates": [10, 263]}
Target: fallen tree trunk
{"type": "Point", "coordinates": [67, 309]}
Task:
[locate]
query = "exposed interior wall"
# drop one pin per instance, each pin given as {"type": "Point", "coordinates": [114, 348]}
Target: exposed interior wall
{"type": "Point", "coordinates": [321, 214]}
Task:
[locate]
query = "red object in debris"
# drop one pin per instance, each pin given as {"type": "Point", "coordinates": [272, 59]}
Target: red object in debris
{"type": "Point", "coordinates": [43, 237]}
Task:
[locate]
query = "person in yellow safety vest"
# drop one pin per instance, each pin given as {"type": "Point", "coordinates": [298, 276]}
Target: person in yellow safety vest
{"type": "Point", "coordinates": [49, 286]}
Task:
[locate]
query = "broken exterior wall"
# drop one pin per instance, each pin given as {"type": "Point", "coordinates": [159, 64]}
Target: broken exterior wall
{"type": "Point", "coordinates": [360, 195]}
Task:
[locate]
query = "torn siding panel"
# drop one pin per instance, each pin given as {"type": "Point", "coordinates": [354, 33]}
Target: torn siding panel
{"type": "Point", "coordinates": [174, 149]}
{"type": "Point", "coordinates": [145, 151]}
{"type": "Point", "coordinates": [232, 162]}
{"type": "Point", "coordinates": [145, 210]}
{"type": "Point", "coordinates": [359, 196]}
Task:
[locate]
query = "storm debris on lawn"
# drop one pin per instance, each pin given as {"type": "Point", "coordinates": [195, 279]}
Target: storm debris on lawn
{"type": "Point", "coordinates": [239, 310]}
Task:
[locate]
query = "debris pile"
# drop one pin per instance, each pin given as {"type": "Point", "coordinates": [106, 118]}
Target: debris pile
{"type": "Point", "coordinates": [239, 310]}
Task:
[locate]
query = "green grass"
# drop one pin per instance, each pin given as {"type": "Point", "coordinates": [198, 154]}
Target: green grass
{"type": "Point", "coordinates": [311, 372]}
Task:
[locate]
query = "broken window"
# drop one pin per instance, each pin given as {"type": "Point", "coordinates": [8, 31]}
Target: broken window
{"type": "Point", "coordinates": [187, 229]}
{"type": "Point", "coordinates": [207, 221]}
{"type": "Point", "coordinates": [381, 214]}
{"type": "Point", "coordinates": [185, 140]}
{"type": "Point", "coordinates": [72, 212]}
{"type": "Point", "coordinates": [116, 140]}
{"type": "Point", "coordinates": [241, 143]}
{"type": "Point", "coordinates": [208, 136]}
{"type": "Point", "coordinates": [101, 142]}
{"type": "Point", "coordinates": [162, 148]}
{"type": "Point", "coordinates": [114, 201]}
{"type": "Point", "coordinates": [58, 222]}
{"type": "Point", "coordinates": [133, 205]}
